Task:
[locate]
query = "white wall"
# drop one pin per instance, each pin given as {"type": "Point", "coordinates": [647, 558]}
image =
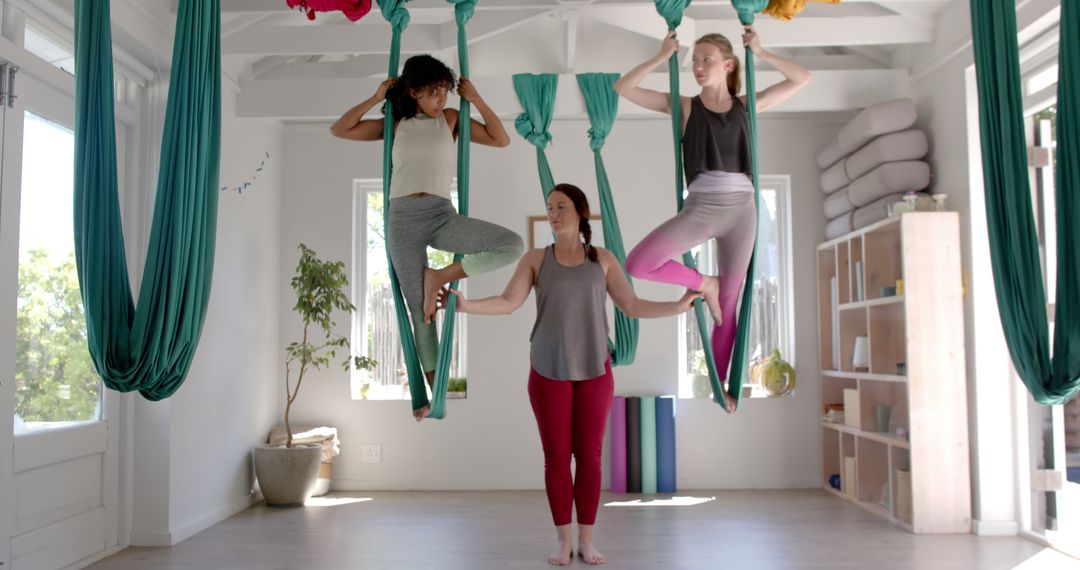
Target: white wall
{"type": "Point", "coordinates": [943, 83]}
{"type": "Point", "coordinates": [192, 451]}
{"type": "Point", "coordinates": [489, 441]}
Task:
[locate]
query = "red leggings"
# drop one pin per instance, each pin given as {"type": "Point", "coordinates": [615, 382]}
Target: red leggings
{"type": "Point", "coordinates": [572, 417]}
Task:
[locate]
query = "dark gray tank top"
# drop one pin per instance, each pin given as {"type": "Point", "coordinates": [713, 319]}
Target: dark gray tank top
{"type": "Point", "coordinates": [716, 141]}
{"type": "Point", "coordinates": [570, 336]}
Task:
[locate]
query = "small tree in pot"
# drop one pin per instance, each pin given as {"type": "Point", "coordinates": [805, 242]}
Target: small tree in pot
{"type": "Point", "coordinates": [287, 474]}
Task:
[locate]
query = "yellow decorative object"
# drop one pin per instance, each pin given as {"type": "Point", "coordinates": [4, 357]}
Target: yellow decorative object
{"type": "Point", "coordinates": [788, 9]}
{"type": "Point", "coordinates": [773, 374]}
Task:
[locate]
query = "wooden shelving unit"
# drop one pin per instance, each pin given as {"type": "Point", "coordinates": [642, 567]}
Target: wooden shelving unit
{"type": "Point", "coordinates": [915, 472]}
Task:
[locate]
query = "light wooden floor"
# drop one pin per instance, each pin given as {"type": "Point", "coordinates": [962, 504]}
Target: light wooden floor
{"type": "Point", "coordinates": [729, 529]}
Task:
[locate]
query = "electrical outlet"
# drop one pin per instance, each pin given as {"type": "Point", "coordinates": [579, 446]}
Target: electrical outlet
{"type": "Point", "coordinates": [371, 453]}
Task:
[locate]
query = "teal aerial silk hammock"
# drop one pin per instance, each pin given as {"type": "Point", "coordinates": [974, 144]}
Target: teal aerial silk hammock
{"type": "Point", "coordinates": [394, 11]}
{"type": "Point", "coordinates": [1013, 243]}
{"type": "Point", "coordinates": [672, 12]}
{"type": "Point", "coordinates": [537, 96]}
{"type": "Point", "coordinates": [602, 104]}
{"type": "Point", "coordinates": [149, 346]}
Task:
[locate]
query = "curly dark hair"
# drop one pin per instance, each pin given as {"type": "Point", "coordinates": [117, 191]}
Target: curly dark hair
{"type": "Point", "coordinates": [581, 205]}
{"type": "Point", "coordinates": [421, 73]}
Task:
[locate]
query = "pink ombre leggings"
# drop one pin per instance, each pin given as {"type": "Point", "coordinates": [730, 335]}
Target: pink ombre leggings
{"type": "Point", "coordinates": [731, 218]}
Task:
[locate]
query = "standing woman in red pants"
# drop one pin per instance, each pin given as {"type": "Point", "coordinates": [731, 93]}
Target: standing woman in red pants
{"type": "Point", "coordinates": [570, 381]}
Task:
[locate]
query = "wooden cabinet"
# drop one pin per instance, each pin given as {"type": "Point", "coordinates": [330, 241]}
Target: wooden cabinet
{"type": "Point", "coordinates": [891, 330]}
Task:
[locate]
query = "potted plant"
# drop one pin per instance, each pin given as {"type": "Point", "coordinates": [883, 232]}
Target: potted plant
{"type": "Point", "coordinates": [287, 473]}
{"type": "Point", "coordinates": [456, 387]}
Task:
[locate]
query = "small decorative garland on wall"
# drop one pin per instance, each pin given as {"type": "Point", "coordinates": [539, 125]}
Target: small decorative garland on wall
{"type": "Point", "coordinates": [254, 176]}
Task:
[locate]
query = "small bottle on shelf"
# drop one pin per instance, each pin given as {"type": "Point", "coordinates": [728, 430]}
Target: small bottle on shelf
{"type": "Point", "coordinates": [939, 202]}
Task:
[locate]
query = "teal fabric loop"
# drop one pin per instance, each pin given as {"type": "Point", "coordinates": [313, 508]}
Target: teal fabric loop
{"type": "Point", "coordinates": [1014, 248]}
{"type": "Point", "coordinates": [148, 346]}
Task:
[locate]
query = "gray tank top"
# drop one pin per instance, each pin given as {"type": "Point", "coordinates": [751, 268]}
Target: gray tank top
{"type": "Point", "coordinates": [570, 336]}
{"type": "Point", "coordinates": [716, 141]}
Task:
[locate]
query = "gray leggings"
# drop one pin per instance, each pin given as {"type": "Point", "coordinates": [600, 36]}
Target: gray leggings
{"type": "Point", "coordinates": [419, 221]}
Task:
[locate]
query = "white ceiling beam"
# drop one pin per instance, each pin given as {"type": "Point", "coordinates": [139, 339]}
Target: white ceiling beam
{"type": "Point", "coordinates": [809, 32]}
{"type": "Point", "coordinates": [488, 24]}
{"type": "Point", "coordinates": [642, 20]}
{"type": "Point", "coordinates": [571, 42]}
{"type": "Point", "coordinates": [357, 67]}
{"type": "Point", "coordinates": [326, 99]}
{"type": "Point", "coordinates": [872, 53]}
{"type": "Point", "coordinates": [328, 40]}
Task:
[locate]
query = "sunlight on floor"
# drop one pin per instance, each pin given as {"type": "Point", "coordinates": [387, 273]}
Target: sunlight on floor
{"type": "Point", "coordinates": [1049, 559]}
{"type": "Point", "coordinates": [334, 501]}
{"type": "Point", "coordinates": [670, 502]}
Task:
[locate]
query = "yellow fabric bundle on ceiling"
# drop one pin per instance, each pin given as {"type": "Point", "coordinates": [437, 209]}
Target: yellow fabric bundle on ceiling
{"type": "Point", "coordinates": [788, 9]}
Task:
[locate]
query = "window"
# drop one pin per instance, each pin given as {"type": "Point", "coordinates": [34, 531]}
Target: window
{"type": "Point", "coordinates": [771, 322]}
{"type": "Point", "coordinates": [55, 381]}
{"type": "Point", "coordinates": [375, 329]}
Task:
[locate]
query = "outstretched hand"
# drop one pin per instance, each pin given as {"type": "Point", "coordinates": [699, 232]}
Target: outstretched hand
{"type": "Point", "coordinates": [444, 299]}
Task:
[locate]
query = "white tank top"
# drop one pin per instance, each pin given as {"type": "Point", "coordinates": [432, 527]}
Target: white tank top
{"type": "Point", "coordinates": [424, 157]}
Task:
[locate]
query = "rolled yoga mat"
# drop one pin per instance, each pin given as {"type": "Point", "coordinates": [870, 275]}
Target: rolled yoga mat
{"type": "Point", "coordinates": [876, 120]}
{"type": "Point", "coordinates": [889, 178]}
{"type": "Point", "coordinates": [665, 444]}
{"type": "Point", "coordinates": [893, 147]}
{"type": "Point", "coordinates": [633, 444]}
{"type": "Point", "coordinates": [617, 446]}
{"type": "Point", "coordinates": [837, 204]}
{"type": "Point", "coordinates": [648, 444]}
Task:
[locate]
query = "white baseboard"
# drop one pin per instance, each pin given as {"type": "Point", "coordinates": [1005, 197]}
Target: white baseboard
{"type": "Point", "coordinates": [95, 558]}
{"type": "Point", "coordinates": [995, 528]}
{"type": "Point", "coordinates": [536, 484]}
{"type": "Point", "coordinates": [437, 484]}
{"type": "Point", "coordinates": [174, 537]}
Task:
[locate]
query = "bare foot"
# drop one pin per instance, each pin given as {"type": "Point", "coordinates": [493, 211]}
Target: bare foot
{"type": "Point", "coordinates": [422, 413]}
{"type": "Point", "coordinates": [730, 403]}
{"type": "Point", "coordinates": [561, 555]}
{"type": "Point", "coordinates": [710, 289]}
{"type": "Point", "coordinates": [431, 293]}
{"type": "Point", "coordinates": [589, 553]}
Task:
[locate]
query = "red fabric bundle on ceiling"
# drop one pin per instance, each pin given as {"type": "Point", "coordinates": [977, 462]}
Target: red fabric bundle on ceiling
{"type": "Point", "coordinates": [353, 9]}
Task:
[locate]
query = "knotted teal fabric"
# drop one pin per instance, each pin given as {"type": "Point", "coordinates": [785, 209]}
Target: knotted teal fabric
{"type": "Point", "coordinates": [602, 104]}
{"type": "Point", "coordinates": [537, 96]}
{"type": "Point", "coordinates": [149, 346]}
